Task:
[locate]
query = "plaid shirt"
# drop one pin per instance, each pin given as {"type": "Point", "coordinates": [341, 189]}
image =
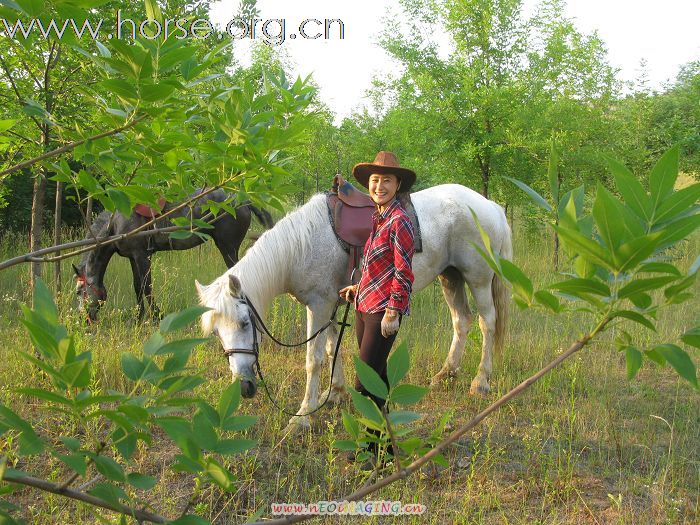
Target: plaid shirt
{"type": "Point", "coordinates": [386, 267]}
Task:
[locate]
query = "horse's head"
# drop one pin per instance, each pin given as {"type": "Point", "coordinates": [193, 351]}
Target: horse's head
{"type": "Point", "coordinates": [90, 292]}
{"type": "Point", "coordinates": [231, 320]}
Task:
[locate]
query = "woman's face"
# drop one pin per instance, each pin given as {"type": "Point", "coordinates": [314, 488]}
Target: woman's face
{"type": "Point", "coordinates": [383, 187]}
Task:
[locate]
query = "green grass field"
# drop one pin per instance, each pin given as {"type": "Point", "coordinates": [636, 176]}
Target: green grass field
{"type": "Point", "coordinates": [584, 445]}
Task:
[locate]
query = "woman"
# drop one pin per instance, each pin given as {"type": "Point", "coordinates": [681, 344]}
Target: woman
{"type": "Point", "coordinates": [382, 296]}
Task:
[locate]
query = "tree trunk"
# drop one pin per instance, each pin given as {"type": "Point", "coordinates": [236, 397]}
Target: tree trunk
{"type": "Point", "coordinates": [37, 214]}
{"type": "Point", "coordinates": [57, 233]}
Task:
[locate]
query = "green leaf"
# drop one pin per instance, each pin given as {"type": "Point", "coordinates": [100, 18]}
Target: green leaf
{"type": "Point", "coordinates": [109, 492]}
{"type": "Point", "coordinates": [179, 320]}
{"type": "Point", "coordinates": [75, 462]}
{"type": "Point", "coordinates": [521, 284]}
{"type": "Point", "coordinates": [634, 361]}
{"type": "Point", "coordinates": [121, 201]}
{"type": "Point", "coordinates": [6, 124]}
{"type": "Point", "coordinates": [370, 379]}
{"type": "Point", "coordinates": [204, 433]}
{"type": "Point", "coordinates": [608, 219]}
{"type": "Point", "coordinates": [536, 197]}
{"type": "Point", "coordinates": [680, 361]}
{"type": "Point", "coordinates": [141, 481]}
{"type": "Point", "coordinates": [133, 367]}
{"type": "Point", "coordinates": [641, 300]}
{"type": "Point", "coordinates": [663, 176]}
{"type": "Point", "coordinates": [678, 203]}
{"type": "Point", "coordinates": [29, 442]}
{"type": "Point", "coordinates": [634, 316]}
{"type": "Point", "coordinates": [109, 468]}
{"type": "Point", "coordinates": [408, 394]}
{"type": "Point", "coordinates": [548, 300]}
{"type": "Point", "coordinates": [677, 231]}
{"type": "Point", "coordinates": [660, 267]}
{"type": "Point", "coordinates": [121, 88]}
{"type": "Point", "coordinates": [398, 364]}
{"type": "Point", "coordinates": [631, 190]}
{"type": "Point", "coordinates": [345, 445]}
{"type": "Point", "coordinates": [351, 425]}
{"type": "Point", "coordinates": [156, 92]}
{"type": "Point", "coordinates": [366, 406]}
{"type": "Point", "coordinates": [234, 446]}
{"type": "Point", "coordinates": [236, 423]}
{"type": "Point", "coordinates": [229, 400]}
{"type": "Point", "coordinates": [153, 344]}
{"type": "Point", "coordinates": [40, 393]}
{"type": "Point", "coordinates": [578, 285]}
{"type": "Point", "coordinates": [403, 417]}
{"type": "Point", "coordinates": [692, 337]}
{"type": "Point", "coordinates": [585, 247]}
{"type": "Point", "coordinates": [218, 474]}
{"type": "Point", "coordinates": [644, 285]}
{"type": "Point", "coordinates": [33, 8]}
{"type": "Point", "coordinates": [43, 303]}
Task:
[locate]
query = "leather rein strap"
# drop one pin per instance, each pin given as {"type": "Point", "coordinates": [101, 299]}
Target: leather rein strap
{"type": "Point", "coordinates": [255, 351]}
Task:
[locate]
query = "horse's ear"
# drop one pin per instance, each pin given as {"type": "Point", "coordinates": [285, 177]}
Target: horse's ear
{"type": "Point", "coordinates": [234, 285]}
{"type": "Point", "coordinates": [75, 269]}
{"type": "Point", "coordinates": [200, 288]}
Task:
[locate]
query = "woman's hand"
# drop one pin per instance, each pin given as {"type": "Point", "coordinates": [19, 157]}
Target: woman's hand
{"type": "Point", "coordinates": [390, 322]}
{"type": "Point", "coordinates": [348, 293]}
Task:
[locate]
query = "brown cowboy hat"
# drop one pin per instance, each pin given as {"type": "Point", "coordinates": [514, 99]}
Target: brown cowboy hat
{"type": "Point", "coordinates": [384, 162]}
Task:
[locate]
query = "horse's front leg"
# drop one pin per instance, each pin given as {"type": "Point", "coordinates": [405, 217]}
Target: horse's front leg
{"type": "Point", "coordinates": [315, 354]}
{"type": "Point", "coordinates": [141, 268]}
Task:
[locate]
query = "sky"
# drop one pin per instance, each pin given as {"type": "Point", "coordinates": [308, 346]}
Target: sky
{"type": "Point", "coordinates": [664, 33]}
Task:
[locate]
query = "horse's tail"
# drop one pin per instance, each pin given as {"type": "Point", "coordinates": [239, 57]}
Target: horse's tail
{"type": "Point", "coordinates": [263, 216]}
{"type": "Point", "coordinates": [500, 293]}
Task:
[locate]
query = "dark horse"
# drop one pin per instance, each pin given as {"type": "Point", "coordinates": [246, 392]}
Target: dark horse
{"type": "Point", "coordinates": [228, 233]}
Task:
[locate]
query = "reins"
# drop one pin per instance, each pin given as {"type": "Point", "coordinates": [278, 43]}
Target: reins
{"type": "Point", "coordinates": [255, 351]}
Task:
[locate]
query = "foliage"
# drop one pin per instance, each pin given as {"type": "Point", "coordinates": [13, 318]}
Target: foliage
{"type": "Point", "coordinates": [112, 428]}
{"type": "Point", "coordinates": [390, 423]}
{"type": "Point", "coordinates": [620, 252]}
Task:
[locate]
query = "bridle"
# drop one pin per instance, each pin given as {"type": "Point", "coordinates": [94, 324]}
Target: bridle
{"type": "Point", "coordinates": [256, 318]}
{"type": "Point", "coordinates": [89, 289]}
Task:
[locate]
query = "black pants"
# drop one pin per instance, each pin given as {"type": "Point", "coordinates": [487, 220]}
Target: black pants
{"type": "Point", "coordinates": [374, 348]}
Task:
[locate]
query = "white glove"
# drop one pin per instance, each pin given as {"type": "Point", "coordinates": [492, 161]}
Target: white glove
{"type": "Point", "coordinates": [390, 323]}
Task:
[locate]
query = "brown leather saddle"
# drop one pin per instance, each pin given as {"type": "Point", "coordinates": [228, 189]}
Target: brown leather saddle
{"type": "Point", "coordinates": [350, 212]}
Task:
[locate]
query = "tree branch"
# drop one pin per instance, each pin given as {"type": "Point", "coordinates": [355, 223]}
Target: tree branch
{"type": "Point", "coordinates": [72, 145]}
{"type": "Point", "coordinates": [420, 462]}
{"type": "Point", "coordinates": [47, 486]}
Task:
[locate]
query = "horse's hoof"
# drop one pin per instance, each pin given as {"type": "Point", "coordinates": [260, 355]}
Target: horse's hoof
{"type": "Point", "coordinates": [296, 426]}
{"type": "Point", "coordinates": [479, 388]}
{"type": "Point", "coordinates": [442, 375]}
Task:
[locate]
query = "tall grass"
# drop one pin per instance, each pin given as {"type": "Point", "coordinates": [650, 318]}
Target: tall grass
{"type": "Point", "coordinates": [584, 445]}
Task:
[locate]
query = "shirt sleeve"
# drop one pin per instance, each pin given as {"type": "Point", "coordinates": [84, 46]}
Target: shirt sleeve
{"type": "Point", "coordinates": [401, 238]}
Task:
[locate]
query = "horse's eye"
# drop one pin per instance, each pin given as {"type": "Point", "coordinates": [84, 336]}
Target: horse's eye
{"type": "Point", "coordinates": [215, 331]}
{"type": "Point", "coordinates": [245, 324]}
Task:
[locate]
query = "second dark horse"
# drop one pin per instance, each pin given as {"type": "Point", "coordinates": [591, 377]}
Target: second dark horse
{"type": "Point", "coordinates": [228, 233]}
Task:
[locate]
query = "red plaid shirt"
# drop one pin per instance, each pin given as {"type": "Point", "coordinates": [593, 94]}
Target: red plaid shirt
{"type": "Point", "coordinates": [386, 267]}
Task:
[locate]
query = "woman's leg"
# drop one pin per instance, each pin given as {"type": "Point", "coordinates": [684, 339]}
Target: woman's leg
{"type": "Point", "coordinates": [374, 349]}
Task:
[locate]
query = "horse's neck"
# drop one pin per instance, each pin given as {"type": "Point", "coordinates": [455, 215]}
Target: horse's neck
{"type": "Point", "coordinates": [261, 291]}
{"type": "Point", "coordinates": [98, 259]}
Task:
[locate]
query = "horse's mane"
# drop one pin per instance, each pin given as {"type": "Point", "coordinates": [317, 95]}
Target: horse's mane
{"type": "Point", "coordinates": [100, 228]}
{"type": "Point", "coordinates": [263, 269]}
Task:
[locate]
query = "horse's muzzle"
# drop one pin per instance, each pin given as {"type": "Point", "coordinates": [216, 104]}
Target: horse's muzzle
{"type": "Point", "coordinates": [248, 388]}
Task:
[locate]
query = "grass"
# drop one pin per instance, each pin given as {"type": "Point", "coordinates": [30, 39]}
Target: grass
{"type": "Point", "coordinates": [584, 445]}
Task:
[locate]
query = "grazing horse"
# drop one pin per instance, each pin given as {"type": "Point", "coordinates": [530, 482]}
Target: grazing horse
{"type": "Point", "coordinates": [227, 231]}
{"type": "Point", "coordinates": [302, 256]}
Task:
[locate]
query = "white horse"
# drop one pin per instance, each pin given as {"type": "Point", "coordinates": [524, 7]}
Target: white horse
{"type": "Point", "coordinates": [302, 256]}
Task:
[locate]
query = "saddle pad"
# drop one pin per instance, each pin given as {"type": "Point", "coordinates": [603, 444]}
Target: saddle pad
{"type": "Point", "coordinates": [146, 211]}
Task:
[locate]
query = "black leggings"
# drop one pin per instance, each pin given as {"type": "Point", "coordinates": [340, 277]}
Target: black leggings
{"type": "Point", "coordinates": [374, 348]}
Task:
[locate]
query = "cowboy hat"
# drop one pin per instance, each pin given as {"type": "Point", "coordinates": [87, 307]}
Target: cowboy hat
{"type": "Point", "coordinates": [384, 162]}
